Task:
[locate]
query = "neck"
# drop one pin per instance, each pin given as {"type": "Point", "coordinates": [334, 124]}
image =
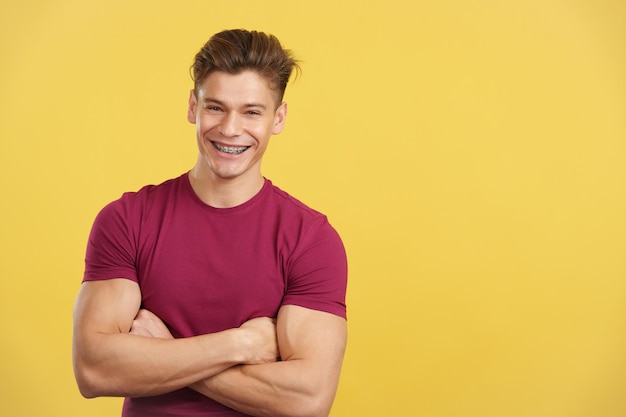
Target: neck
{"type": "Point", "coordinates": [224, 192]}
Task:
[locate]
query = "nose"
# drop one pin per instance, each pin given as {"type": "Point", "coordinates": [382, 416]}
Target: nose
{"type": "Point", "coordinates": [231, 125]}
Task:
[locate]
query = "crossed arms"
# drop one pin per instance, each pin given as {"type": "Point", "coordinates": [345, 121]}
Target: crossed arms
{"type": "Point", "coordinates": [120, 350]}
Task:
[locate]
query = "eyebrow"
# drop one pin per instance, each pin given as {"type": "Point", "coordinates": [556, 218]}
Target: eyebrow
{"type": "Point", "coordinates": [208, 100]}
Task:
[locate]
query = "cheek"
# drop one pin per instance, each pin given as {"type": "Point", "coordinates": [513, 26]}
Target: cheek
{"type": "Point", "coordinates": [208, 121]}
{"type": "Point", "coordinates": [263, 131]}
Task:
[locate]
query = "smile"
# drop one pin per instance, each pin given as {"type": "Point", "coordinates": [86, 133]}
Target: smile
{"type": "Point", "coordinates": [233, 150]}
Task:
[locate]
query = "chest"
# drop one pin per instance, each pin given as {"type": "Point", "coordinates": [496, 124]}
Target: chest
{"type": "Point", "coordinates": [203, 274]}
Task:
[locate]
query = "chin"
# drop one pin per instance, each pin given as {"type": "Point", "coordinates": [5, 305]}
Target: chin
{"type": "Point", "coordinates": [228, 174]}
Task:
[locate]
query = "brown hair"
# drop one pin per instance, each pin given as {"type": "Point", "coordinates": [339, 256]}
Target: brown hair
{"type": "Point", "coordinates": [237, 50]}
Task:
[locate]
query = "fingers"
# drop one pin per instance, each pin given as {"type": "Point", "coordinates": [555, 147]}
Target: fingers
{"type": "Point", "coordinates": [148, 324]}
{"type": "Point", "coordinates": [144, 314]}
{"type": "Point", "coordinates": [261, 339]}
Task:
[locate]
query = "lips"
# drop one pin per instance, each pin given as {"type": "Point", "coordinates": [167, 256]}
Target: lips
{"type": "Point", "coordinates": [232, 150]}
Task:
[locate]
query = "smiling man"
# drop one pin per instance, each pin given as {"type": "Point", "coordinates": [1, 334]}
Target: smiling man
{"type": "Point", "coordinates": [216, 293]}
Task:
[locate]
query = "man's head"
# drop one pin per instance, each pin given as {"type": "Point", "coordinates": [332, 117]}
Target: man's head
{"type": "Point", "coordinates": [238, 50]}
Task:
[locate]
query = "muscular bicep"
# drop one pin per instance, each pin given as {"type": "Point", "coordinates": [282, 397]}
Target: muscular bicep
{"type": "Point", "coordinates": [316, 338]}
{"type": "Point", "coordinates": [102, 307]}
{"type": "Point", "coordinates": [107, 306]}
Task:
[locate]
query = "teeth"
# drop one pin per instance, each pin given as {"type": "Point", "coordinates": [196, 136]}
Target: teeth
{"type": "Point", "coordinates": [229, 149]}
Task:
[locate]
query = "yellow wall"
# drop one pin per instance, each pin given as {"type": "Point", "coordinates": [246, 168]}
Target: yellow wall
{"type": "Point", "coordinates": [471, 153]}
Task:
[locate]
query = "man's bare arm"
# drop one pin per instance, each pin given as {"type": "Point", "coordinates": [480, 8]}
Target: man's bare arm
{"type": "Point", "coordinates": [303, 384]}
{"type": "Point", "coordinates": [110, 361]}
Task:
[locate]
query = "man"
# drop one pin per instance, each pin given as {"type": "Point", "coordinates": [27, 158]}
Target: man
{"type": "Point", "coordinates": [216, 293]}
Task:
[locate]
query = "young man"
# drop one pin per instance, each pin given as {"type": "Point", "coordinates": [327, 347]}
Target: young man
{"type": "Point", "coordinates": [216, 293]}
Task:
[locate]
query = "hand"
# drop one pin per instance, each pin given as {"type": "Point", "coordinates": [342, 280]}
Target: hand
{"type": "Point", "coordinates": [261, 339]}
{"type": "Point", "coordinates": [148, 324]}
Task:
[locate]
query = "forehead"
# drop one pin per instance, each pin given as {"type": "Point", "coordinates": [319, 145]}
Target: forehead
{"type": "Point", "coordinates": [235, 89]}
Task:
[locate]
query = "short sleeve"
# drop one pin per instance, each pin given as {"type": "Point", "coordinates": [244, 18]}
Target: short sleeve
{"type": "Point", "coordinates": [111, 250]}
{"type": "Point", "coordinates": [318, 271]}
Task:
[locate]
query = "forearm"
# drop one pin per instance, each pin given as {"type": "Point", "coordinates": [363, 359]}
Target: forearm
{"type": "Point", "coordinates": [289, 388]}
{"type": "Point", "coordinates": [312, 345]}
{"type": "Point", "coordinates": [123, 364]}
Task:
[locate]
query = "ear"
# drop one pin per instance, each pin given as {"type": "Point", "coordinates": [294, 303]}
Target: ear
{"type": "Point", "coordinates": [279, 119]}
{"type": "Point", "coordinates": [193, 107]}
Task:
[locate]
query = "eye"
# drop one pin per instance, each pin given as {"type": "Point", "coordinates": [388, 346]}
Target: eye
{"type": "Point", "coordinates": [253, 112]}
{"type": "Point", "coordinates": [214, 108]}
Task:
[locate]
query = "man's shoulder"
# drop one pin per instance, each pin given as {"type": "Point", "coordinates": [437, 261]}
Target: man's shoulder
{"type": "Point", "coordinates": [152, 192]}
{"type": "Point", "coordinates": [292, 204]}
{"type": "Point", "coordinates": [293, 210]}
{"type": "Point", "coordinates": [297, 218]}
{"type": "Point", "coordinates": [144, 200]}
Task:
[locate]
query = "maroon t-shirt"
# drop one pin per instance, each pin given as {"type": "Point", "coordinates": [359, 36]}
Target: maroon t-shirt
{"type": "Point", "coordinates": [202, 269]}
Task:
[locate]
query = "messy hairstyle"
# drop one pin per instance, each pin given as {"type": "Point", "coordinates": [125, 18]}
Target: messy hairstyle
{"type": "Point", "coordinates": [237, 50]}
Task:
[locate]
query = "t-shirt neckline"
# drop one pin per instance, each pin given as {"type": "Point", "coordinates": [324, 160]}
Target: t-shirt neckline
{"type": "Point", "coordinates": [227, 210]}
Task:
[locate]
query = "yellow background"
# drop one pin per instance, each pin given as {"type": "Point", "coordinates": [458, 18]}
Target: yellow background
{"type": "Point", "coordinates": [471, 154]}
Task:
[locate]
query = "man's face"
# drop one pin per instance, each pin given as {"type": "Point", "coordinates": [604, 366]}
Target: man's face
{"type": "Point", "coordinates": [235, 116]}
